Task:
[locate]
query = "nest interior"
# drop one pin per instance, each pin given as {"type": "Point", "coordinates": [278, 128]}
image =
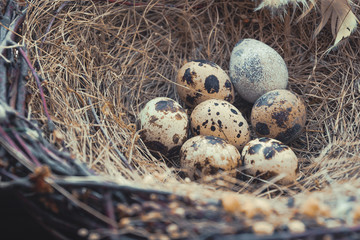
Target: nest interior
{"type": "Point", "coordinates": [110, 58]}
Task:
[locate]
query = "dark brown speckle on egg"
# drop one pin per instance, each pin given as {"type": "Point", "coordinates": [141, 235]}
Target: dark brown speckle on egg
{"type": "Point", "coordinates": [255, 149]}
{"type": "Point", "coordinates": [289, 134]}
{"type": "Point", "coordinates": [228, 85]}
{"type": "Point", "coordinates": [229, 98]}
{"type": "Point", "coordinates": [234, 111]}
{"type": "Point", "coordinates": [262, 129]}
{"type": "Point", "coordinates": [176, 138]}
{"type": "Point", "coordinates": [269, 152]}
{"type": "Point", "coordinates": [153, 119]}
{"type": "Point", "coordinates": [280, 117]}
{"type": "Point", "coordinates": [280, 147]}
{"type": "Point", "coordinates": [178, 116]}
{"type": "Point", "coordinates": [214, 140]}
{"type": "Point", "coordinates": [168, 106]}
{"type": "Point", "coordinates": [212, 84]}
{"type": "Point", "coordinates": [267, 100]}
{"type": "Point", "coordinates": [202, 62]}
{"type": "Point", "coordinates": [188, 77]}
{"type": "Point", "coordinates": [192, 99]}
{"type": "Point", "coordinates": [264, 139]}
{"type": "Point", "coordinates": [196, 130]}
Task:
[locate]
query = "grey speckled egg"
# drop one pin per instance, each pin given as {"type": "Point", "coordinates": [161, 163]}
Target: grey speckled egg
{"type": "Point", "coordinates": [279, 114]}
{"type": "Point", "coordinates": [256, 68]}
{"type": "Point", "coordinates": [164, 125]}
{"type": "Point", "coordinates": [199, 80]}
{"type": "Point", "coordinates": [268, 158]}
{"type": "Point", "coordinates": [219, 118]}
{"type": "Point", "coordinates": [208, 155]}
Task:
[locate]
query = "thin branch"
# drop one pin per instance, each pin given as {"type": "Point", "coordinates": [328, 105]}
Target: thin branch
{"type": "Point", "coordinates": [51, 125]}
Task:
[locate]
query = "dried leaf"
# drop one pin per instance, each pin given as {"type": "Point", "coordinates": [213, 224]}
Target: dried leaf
{"type": "Point", "coordinates": [58, 136]}
{"type": "Point", "coordinates": [343, 20]}
{"type": "Point", "coordinates": [38, 178]}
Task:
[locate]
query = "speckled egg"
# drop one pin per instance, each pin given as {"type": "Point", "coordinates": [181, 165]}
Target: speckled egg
{"type": "Point", "coordinates": [267, 158]}
{"type": "Point", "coordinates": [279, 114]}
{"type": "Point", "coordinates": [164, 125]}
{"type": "Point", "coordinates": [200, 80]}
{"type": "Point", "coordinates": [208, 155]}
{"type": "Point", "coordinates": [256, 68]}
{"type": "Point", "coordinates": [219, 118]}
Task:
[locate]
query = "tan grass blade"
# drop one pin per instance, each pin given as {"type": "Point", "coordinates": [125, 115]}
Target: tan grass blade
{"type": "Point", "coordinates": [343, 20]}
{"type": "Point", "coordinates": [306, 11]}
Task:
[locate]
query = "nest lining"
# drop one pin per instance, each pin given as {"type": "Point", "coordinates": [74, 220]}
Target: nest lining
{"type": "Point", "coordinates": [111, 58]}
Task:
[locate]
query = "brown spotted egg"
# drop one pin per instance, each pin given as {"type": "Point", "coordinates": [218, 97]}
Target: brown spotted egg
{"type": "Point", "coordinates": [219, 118]}
{"type": "Point", "coordinates": [200, 80]}
{"type": "Point", "coordinates": [208, 155]}
{"type": "Point", "coordinates": [267, 158]}
{"type": "Point", "coordinates": [164, 125]}
{"type": "Point", "coordinates": [279, 114]}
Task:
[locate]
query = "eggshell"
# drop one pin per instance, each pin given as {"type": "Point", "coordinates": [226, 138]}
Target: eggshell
{"type": "Point", "coordinates": [256, 68]}
{"type": "Point", "coordinates": [208, 155]}
{"type": "Point", "coordinates": [268, 158]}
{"type": "Point", "coordinates": [220, 119]}
{"type": "Point", "coordinates": [199, 80]}
{"type": "Point", "coordinates": [279, 114]}
{"type": "Point", "coordinates": [164, 125]}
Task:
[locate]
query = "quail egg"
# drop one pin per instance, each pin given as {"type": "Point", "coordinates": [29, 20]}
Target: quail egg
{"type": "Point", "coordinates": [256, 68]}
{"type": "Point", "coordinates": [164, 125]}
{"type": "Point", "coordinates": [268, 158]}
{"type": "Point", "coordinates": [219, 118]}
{"type": "Point", "coordinates": [200, 80]}
{"type": "Point", "coordinates": [208, 155]}
{"type": "Point", "coordinates": [279, 114]}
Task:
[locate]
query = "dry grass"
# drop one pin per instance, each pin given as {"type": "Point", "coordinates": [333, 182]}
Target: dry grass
{"type": "Point", "coordinates": [121, 56]}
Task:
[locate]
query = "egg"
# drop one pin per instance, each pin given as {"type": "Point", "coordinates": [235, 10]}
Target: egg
{"type": "Point", "coordinates": [219, 118]}
{"type": "Point", "coordinates": [256, 68]}
{"type": "Point", "coordinates": [164, 125]}
{"type": "Point", "coordinates": [279, 114]}
{"type": "Point", "coordinates": [199, 80]}
{"type": "Point", "coordinates": [208, 155]}
{"type": "Point", "coordinates": [268, 158]}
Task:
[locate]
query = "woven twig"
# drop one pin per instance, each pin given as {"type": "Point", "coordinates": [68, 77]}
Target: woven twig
{"type": "Point", "coordinates": [72, 202]}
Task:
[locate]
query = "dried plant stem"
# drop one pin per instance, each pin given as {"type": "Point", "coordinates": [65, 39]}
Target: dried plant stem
{"type": "Point", "coordinates": [51, 125]}
{"type": "Point", "coordinates": [120, 155]}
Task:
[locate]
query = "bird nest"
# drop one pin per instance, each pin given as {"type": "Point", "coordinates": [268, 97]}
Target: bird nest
{"type": "Point", "coordinates": [75, 75]}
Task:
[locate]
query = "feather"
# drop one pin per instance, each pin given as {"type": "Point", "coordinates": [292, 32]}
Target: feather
{"type": "Point", "coordinates": [276, 4]}
{"type": "Point", "coordinates": [343, 20]}
{"type": "Point", "coordinates": [273, 4]}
